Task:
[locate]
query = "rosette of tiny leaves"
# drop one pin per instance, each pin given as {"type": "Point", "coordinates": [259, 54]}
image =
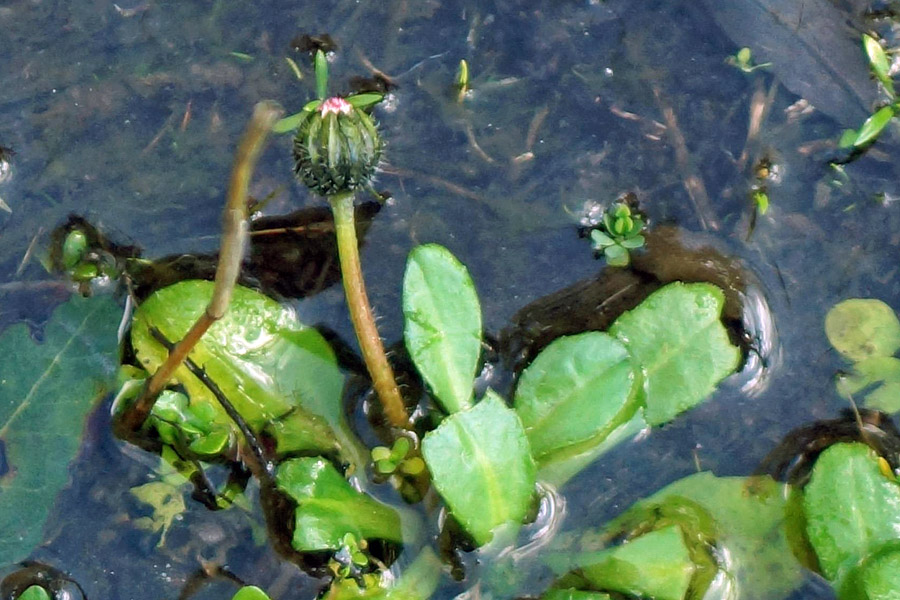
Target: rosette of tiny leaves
{"type": "Point", "coordinates": [619, 232]}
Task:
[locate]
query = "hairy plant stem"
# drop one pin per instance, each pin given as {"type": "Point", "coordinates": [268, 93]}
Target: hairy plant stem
{"type": "Point", "coordinates": [361, 312]}
{"type": "Point", "coordinates": [231, 254]}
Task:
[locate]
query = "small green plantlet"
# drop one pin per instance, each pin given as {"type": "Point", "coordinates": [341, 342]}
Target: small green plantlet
{"type": "Point", "coordinates": [294, 68]}
{"type": "Point", "coordinates": [879, 62]}
{"type": "Point", "coordinates": [743, 60]}
{"type": "Point", "coordinates": [761, 200]}
{"type": "Point", "coordinates": [618, 233]}
{"type": "Point", "coordinates": [350, 559]}
{"type": "Point", "coordinates": [879, 120]}
{"type": "Point", "coordinates": [462, 80]}
{"type": "Point", "coordinates": [390, 460]}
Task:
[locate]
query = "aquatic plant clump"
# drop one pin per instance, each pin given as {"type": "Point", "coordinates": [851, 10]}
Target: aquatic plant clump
{"type": "Point", "coordinates": [336, 148]}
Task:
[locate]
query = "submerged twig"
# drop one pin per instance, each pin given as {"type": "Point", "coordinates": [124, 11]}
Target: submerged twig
{"type": "Point", "coordinates": [692, 182]}
{"type": "Point", "coordinates": [234, 235]}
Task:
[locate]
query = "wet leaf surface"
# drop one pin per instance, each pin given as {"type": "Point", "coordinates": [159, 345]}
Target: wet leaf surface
{"type": "Point", "coordinates": [677, 338]}
{"type": "Point", "coordinates": [260, 356]}
{"type": "Point", "coordinates": [442, 324]}
{"type": "Point", "coordinates": [481, 464]}
{"type": "Point", "coordinates": [656, 565]}
{"type": "Point", "coordinates": [851, 507]}
{"type": "Point", "coordinates": [328, 507]}
{"type": "Point", "coordinates": [575, 392]}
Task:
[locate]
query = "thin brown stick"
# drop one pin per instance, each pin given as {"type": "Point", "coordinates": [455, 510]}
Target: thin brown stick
{"type": "Point", "coordinates": [234, 235]}
{"type": "Point", "coordinates": [692, 182]}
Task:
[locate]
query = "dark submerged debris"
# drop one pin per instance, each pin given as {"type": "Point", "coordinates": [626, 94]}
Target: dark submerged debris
{"type": "Point", "coordinates": [54, 581]}
{"type": "Point", "coordinates": [793, 459]}
{"type": "Point", "coordinates": [826, 65]}
{"type": "Point", "coordinates": [594, 303]}
{"type": "Point", "coordinates": [291, 256]}
{"type": "Point", "coordinates": [313, 43]}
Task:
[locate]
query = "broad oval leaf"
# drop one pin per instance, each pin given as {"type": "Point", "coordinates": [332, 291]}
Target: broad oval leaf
{"type": "Point", "coordinates": [265, 361]}
{"type": "Point", "coordinates": [678, 339]}
{"type": "Point", "coordinates": [46, 391]}
{"type": "Point", "coordinates": [749, 516]}
{"type": "Point", "coordinates": [328, 507]}
{"type": "Point", "coordinates": [851, 508]}
{"type": "Point", "coordinates": [872, 127]}
{"type": "Point", "coordinates": [577, 390]}
{"type": "Point", "coordinates": [442, 324]}
{"type": "Point", "coordinates": [481, 464]}
{"type": "Point", "coordinates": [862, 328]}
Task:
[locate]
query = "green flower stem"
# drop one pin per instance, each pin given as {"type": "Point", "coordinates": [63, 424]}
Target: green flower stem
{"type": "Point", "coordinates": [361, 312]}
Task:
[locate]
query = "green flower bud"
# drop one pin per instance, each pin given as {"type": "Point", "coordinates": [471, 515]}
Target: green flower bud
{"type": "Point", "coordinates": [336, 148]}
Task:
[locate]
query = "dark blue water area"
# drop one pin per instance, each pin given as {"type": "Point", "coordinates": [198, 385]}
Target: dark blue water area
{"type": "Point", "coordinates": [128, 116]}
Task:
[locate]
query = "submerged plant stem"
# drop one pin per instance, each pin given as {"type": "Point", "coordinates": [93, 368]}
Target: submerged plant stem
{"type": "Point", "coordinates": [234, 236]}
{"type": "Point", "coordinates": [361, 312]}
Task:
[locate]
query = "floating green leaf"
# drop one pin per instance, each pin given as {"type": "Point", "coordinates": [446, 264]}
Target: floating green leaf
{"type": "Point", "coordinates": [677, 337]}
{"type": "Point", "coordinates": [882, 372]}
{"type": "Point", "coordinates": [743, 519]}
{"type": "Point", "coordinates": [35, 592]}
{"type": "Point", "coordinates": [442, 324]}
{"type": "Point", "coordinates": [851, 508]}
{"type": "Point", "coordinates": [872, 127]}
{"type": "Point", "coordinates": [860, 328]}
{"type": "Point", "coordinates": [250, 592]}
{"type": "Point", "coordinates": [656, 565]}
{"type": "Point", "coordinates": [749, 523]}
{"type": "Point", "coordinates": [328, 507]}
{"type": "Point", "coordinates": [261, 358]}
{"type": "Point", "coordinates": [481, 464]}
{"type": "Point", "coordinates": [577, 390]}
{"type": "Point", "coordinates": [46, 390]}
